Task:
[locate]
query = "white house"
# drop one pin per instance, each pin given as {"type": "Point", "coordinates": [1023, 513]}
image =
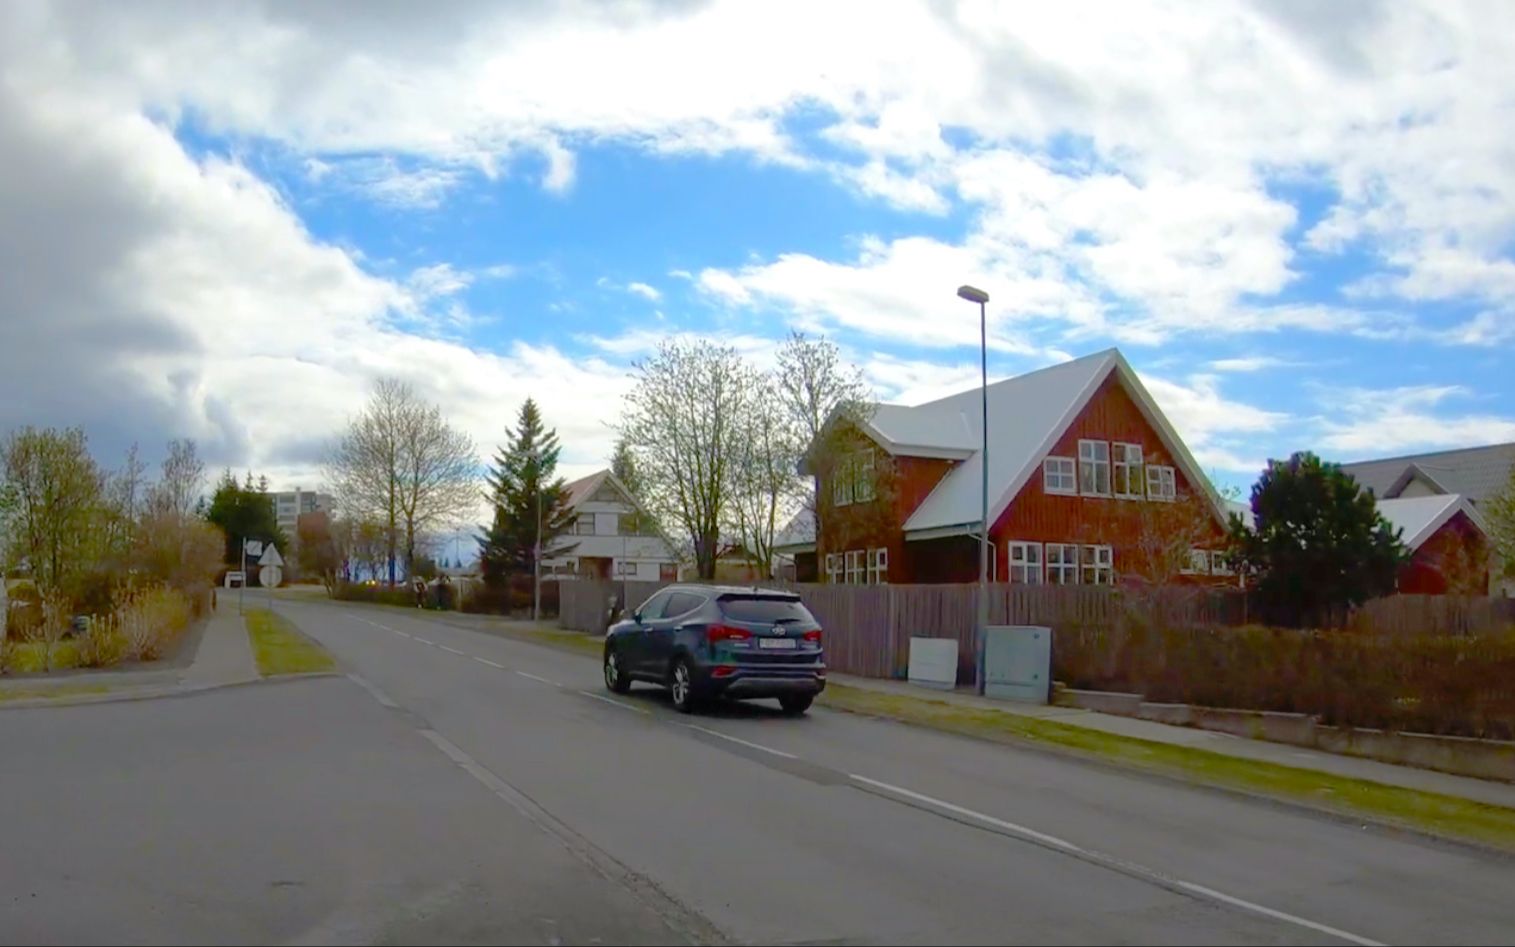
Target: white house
{"type": "Point", "coordinates": [612, 536]}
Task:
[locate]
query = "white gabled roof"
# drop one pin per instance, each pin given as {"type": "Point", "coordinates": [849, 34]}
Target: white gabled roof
{"type": "Point", "coordinates": [1027, 416]}
{"type": "Point", "coordinates": [1421, 517]}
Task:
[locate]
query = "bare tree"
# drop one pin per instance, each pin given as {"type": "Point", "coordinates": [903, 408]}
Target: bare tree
{"type": "Point", "coordinates": [122, 508]}
{"type": "Point", "coordinates": [684, 421]}
{"type": "Point", "coordinates": [765, 488]}
{"type": "Point", "coordinates": [402, 464]}
{"type": "Point", "coordinates": [177, 493]}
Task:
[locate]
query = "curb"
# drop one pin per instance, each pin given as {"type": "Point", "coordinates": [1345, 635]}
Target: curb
{"type": "Point", "coordinates": [153, 693]}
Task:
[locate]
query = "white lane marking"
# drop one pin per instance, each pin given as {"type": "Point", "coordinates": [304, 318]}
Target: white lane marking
{"type": "Point", "coordinates": [1278, 915]}
{"type": "Point", "coordinates": [616, 703]}
{"type": "Point", "coordinates": [489, 662]}
{"type": "Point", "coordinates": [543, 680]}
{"type": "Point", "coordinates": [426, 641]}
{"type": "Point", "coordinates": [1067, 846]}
{"type": "Point", "coordinates": [451, 650]}
{"type": "Point", "coordinates": [746, 743]}
{"type": "Point", "coordinates": [373, 691]}
{"type": "Point", "coordinates": [400, 633]}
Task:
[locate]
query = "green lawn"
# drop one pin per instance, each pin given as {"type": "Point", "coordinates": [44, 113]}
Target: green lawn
{"type": "Point", "coordinates": [281, 649]}
{"type": "Point", "coordinates": [1430, 812]}
{"type": "Point", "coordinates": [51, 693]}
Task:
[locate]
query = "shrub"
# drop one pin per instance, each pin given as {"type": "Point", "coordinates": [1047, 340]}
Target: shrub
{"type": "Point", "coordinates": [375, 594]}
{"type": "Point", "coordinates": [149, 621]}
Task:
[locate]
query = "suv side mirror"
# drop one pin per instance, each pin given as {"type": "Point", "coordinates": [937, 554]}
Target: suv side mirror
{"type": "Point", "coordinates": [636, 616]}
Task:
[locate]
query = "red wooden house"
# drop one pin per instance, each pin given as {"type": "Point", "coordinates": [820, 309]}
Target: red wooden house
{"type": "Point", "coordinates": [1449, 548]}
{"type": "Point", "coordinates": [1088, 483]}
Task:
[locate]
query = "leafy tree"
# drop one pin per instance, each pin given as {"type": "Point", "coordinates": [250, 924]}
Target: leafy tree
{"type": "Point", "coordinates": [243, 512]}
{"type": "Point", "coordinates": [321, 551]}
{"type": "Point", "coordinates": [56, 506]}
{"type": "Point", "coordinates": [521, 479]}
{"type": "Point", "coordinates": [1499, 513]}
{"type": "Point", "coordinates": [1319, 543]}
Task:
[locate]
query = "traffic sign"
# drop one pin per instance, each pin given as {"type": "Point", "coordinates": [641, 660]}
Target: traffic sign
{"type": "Point", "coordinates": [270, 576]}
{"type": "Point", "coordinates": [253, 547]}
{"type": "Point", "coordinates": [271, 556]}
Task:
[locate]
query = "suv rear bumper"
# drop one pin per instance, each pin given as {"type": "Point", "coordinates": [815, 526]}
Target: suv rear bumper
{"type": "Point", "coordinates": [766, 683]}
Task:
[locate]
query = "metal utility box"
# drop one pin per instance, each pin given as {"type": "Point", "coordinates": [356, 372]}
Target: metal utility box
{"type": "Point", "coordinates": [933, 662]}
{"type": "Point", "coordinates": [1018, 663]}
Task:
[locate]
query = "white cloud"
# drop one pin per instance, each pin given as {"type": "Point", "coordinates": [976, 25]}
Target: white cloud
{"type": "Point", "coordinates": [1209, 423]}
{"type": "Point", "coordinates": [1376, 422]}
{"type": "Point", "coordinates": [647, 292]}
{"type": "Point", "coordinates": [1246, 363]}
{"type": "Point", "coordinates": [439, 279]}
{"type": "Point", "coordinates": [561, 167]}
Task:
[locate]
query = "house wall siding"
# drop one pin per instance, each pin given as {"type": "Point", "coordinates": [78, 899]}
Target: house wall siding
{"type": "Point", "coordinates": [1453, 559]}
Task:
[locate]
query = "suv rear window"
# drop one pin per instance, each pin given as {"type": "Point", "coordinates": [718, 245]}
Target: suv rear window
{"type": "Point", "coordinates": [766, 610]}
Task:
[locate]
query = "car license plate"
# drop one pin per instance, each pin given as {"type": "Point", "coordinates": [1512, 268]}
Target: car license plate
{"type": "Point", "coordinates": [780, 643]}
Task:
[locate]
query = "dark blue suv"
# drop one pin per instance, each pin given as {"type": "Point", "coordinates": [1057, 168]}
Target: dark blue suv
{"type": "Point", "coordinates": [703, 642]}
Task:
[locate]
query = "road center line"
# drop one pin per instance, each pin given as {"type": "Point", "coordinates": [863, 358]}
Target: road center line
{"type": "Point", "coordinates": [614, 703]}
{"type": "Point", "coordinates": [540, 679]}
{"type": "Point", "coordinates": [426, 641]}
{"type": "Point", "coordinates": [754, 746]}
{"type": "Point", "coordinates": [451, 650]}
{"type": "Point", "coordinates": [1064, 845]}
{"type": "Point", "coordinates": [489, 662]}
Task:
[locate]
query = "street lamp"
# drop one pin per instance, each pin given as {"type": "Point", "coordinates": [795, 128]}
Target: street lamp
{"type": "Point", "coordinates": [536, 554]}
{"type": "Point", "coordinates": [975, 295]}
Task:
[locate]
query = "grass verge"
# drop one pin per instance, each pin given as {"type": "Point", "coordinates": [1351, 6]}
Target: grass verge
{"type": "Point", "coordinates": [29, 657]}
{"type": "Point", "coordinates": [281, 649]}
{"type": "Point", "coordinates": [1423, 811]}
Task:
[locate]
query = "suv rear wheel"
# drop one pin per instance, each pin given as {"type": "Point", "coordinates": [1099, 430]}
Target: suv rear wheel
{"type": "Point", "coordinates": [796, 704]}
{"type": "Point", "coordinates": [681, 687]}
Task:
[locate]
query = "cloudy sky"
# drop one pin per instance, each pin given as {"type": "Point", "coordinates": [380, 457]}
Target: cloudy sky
{"type": "Point", "coordinates": [224, 220]}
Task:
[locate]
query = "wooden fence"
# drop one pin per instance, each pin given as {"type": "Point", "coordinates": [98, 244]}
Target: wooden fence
{"type": "Point", "coordinates": [868, 628]}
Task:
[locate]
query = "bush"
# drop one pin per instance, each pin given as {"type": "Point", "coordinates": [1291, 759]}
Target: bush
{"type": "Point", "coordinates": [512, 598]}
{"type": "Point", "coordinates": [1446, 685]}
{"type": "Point", "coordinates": [375, 594]}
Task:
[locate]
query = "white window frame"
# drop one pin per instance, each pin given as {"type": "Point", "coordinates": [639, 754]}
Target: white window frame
{"type": "Point", "coordinates": [1096, 565]}
{"type": "Point", "coordinates": [579, 522]}
{"type": "Point", "coordinates": [1060, 562]}
{"type": "Point", "coordinates": [1162, 483]}
{"type": "Point", "coordinates": [1060, 476]}
{"type": "Point", "coordinates": [1090, 465]}
{"type": "Point", "coordinates": [878, 566]}
{"type": "Point", "coordinates": [862, 476]}
{"type": "Point", "coordinates": [1198, 563]}
{"type": "Point", "coordinates": [1025, 560]}
{"type": "Point", "coordinates": [834, 568]}
{"type": "Point", "coordinates": [841, 482]}
{"type": "Point", "coordinates": [1126, 480]}
{"type": "Point", "coordinates": [856, 567]}
{"type": "Point", "coordinates": [1218, 563]}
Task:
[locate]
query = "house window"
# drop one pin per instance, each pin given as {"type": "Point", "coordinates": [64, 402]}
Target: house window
{"type": "Point", "coordinates": [629, 524]}
{"type": "Point", "coordinates": [1094, 468]}
{"type": "Point", "coordinates": [1026, 563]}
{"type": "Point", "coordinates": [1161, 484]}
{"type": "Point", "coordinates": [1197, 564]}
{"type": "Point", "coordinates": [1059, 475]}
{"type": "Point", "coordinates": [1099, 565]}
{"type": "Point", "coordinates": [856, 566]}
{"type": "Point", "coordinates": [1062, 564]}
{"type": "Point", "coordinates": [862, 476]}
{"type": "Point", "coordinates": [626, 568]}
{"type": "Point", "coordinates": [1219, 563]}
{"type": "Point", "coordinates": [834, 567]}
{"type": "Point", "coordinates": [584, 525]}
{"type": "Point", "coordinates": [842, 481]}
{"type": "Point", "coordinates": [878, 567]}
{"type": "Point", "coordinates": [1128, 471]}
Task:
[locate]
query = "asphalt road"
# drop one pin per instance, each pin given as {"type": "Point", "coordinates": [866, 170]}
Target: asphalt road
{"type": "Point", "coordinates": [464, 787]}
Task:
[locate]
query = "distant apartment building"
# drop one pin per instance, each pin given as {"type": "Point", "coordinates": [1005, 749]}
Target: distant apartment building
{"type": "Point", "coordinates": [289, 505]}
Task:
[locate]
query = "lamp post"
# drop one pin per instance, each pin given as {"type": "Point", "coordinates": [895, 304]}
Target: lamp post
{"type": "Point", "coordinates": [975, 295]}
{"type": "Point", "coordinates": [536, 554]}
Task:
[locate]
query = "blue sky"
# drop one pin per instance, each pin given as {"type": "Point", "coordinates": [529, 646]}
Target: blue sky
{"type": "Point", "coordinates": [1297, 224]}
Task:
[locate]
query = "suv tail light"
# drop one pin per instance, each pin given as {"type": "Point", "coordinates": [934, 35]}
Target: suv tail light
{"type": "Point", "coordinates": [726, 633]}
{"type": "Point", "coordinates": [814, 637]}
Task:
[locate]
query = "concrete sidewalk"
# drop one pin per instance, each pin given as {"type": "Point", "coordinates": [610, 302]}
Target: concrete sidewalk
{"type": "Point", "coordinates": [223, 656]}
{"type": "Point", "coordinates": [1407, 777]}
